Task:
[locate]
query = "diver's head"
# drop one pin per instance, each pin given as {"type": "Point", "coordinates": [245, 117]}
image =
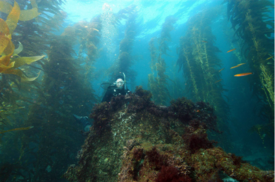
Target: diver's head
{"type": "Point", "coordinates": [119, 83]}
{"type": "Point", "coordinates": [120, 80]}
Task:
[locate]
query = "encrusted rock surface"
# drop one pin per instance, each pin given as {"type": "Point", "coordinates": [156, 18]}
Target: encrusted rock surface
{"type": "Point", "coordinates": [134, 140]}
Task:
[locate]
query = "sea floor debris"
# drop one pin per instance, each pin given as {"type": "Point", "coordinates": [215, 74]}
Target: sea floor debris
{"type": "Point", "coordinates": [135, 140]}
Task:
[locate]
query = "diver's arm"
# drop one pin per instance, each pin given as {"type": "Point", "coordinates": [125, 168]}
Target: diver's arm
{"type": "Point", "coordinates": [127, 91]}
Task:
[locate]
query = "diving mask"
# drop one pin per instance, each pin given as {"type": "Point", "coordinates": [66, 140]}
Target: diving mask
{"type": "Point", "coordinates": [119, 83]}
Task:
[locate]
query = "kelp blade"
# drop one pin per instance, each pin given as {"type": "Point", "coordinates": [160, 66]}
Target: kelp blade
{"type": "Point", "coordinates": [3, 67]}
{"type": "Point", "coordinates": [26, 60]}
{"type": "Point", "coordinates": [5, 60]}
{"type": "Point", "coordinates": [18, 50]}
{"type": "Point", "coordinates": [4, 41]}
{"type": "Point", "coordinates": [4, 27]}
{"type": "Point", "coordinates": [5, 7]}
{"type": "Point", "coordinates": [33, 3]}
{"type": "Point", "coordinates": [13, 17]}
{"type": "Point", "coordinates": [21, 74]}
{"type": "Point", "coordinates": [27, 15]}
{"type": "Point", "coordinates": [9, 49]}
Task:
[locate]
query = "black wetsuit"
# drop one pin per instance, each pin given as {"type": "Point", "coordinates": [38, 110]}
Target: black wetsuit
{"type": "Point", "coordinates": [113, 91]}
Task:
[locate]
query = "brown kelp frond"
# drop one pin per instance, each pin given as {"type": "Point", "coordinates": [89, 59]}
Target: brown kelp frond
{"type": "Point", "coordinates": [88, 35]}
{"type": "Point", "coordinates": [7, 64]}
{"type": "Point", "coordinates": [123, 14]}
{"type": "Point", "coordinates": [201, 66]}
{"type": "Point", "coordinates": [158, 83]}
{"type": "Point", "coordinates": [125, 60]}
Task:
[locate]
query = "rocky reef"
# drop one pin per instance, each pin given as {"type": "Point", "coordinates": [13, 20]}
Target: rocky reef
{"type": "Point", "coordinates": [132, 139]}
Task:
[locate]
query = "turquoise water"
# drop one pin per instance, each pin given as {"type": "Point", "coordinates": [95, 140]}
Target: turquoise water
{"type": "Point", "coordinates": [87, 50]}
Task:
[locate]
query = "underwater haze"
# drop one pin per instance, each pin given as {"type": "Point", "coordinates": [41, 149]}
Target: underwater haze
{"type": "Point", "coordinates": [136, 90]}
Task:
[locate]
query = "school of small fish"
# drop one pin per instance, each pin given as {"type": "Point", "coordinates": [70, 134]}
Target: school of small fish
{"type": "Point", "coordinates": [240, 74]}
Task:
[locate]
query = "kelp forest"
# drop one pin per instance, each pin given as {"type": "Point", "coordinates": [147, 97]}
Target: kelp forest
{"type": "Point", "coordinates": [255, 29]}
{"type": "Point", "coordinates": [200, 105]}
{"type": "Point", "coordinates": [201, 66]}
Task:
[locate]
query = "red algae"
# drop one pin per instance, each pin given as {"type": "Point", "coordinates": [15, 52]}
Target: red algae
{"type": "Point", "coordinates": [171, 174]}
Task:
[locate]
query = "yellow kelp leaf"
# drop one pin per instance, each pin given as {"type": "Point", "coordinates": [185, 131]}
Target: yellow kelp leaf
{"type": "Point", "coordinates": [5, 7]}
{"type": "Point", "coordinates": [17, 129]}
{"type": "Point", "coordinates": [27, 15]}
{"type": "Point", "coordinates": [26, 60]}
{"type": "Point", "coordinates": [33, 3]}
{"type": "Point", "coordinates": [18, 50]}
{"type": "Point", "coordinates": [9, 49]}
{"type": "Point", "coordinates": [5, 60]}
{"type": "Point", "coordinates": [3, 68]}
{"type": "Point", "coordinates": [4, 27]}
{"type": "Point", "coordinates": [21, 74]}
{"type": "Point", "coordinates": [13, 17]}
{"type": "Point", "coordinates": [4, 41]}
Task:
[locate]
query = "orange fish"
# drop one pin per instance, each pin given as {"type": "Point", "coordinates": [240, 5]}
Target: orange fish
{"type": "Point", "coordinates": [269, 58]}
{"type": "Point", "coordinates": [221, 69]}
{"type": "Point", "coordinates": [237, 65]}
{"type": "Point", "coordinates": [231, 50]}
{"type": "Point", "coordinates": [204, 41]}
{"type": "Point", "coordinates": [17, 129]}
{"type": "Point", "coordinates": [243, 74]}
{"type": "Point", "coordinates": [218, 81]}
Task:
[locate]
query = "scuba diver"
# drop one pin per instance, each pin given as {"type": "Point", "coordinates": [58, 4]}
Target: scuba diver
{"type": "Point", "coordinates": [117, 88]}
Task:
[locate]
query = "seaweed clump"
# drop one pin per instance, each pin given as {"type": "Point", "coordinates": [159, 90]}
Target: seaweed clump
{"type": "Point", "coordinates": [171, 174]}
{"type": "Point", "coordinates": [195, 137]}
{"type": "Point", "coordinates": [140, 100]}
{"type": "Point", "coordinates": [155, 159]}
{"type": "Point", "coordinates": [183, 109]}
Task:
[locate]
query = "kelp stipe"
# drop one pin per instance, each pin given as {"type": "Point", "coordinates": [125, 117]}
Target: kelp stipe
{"type": "Point", "coordinates": [200, 65]}
{"type": "Point", "coordinates": [62, 93]}
{"type": "Point", "coordinates": [124, 62]}
{"type": "Point", "coordinates": [158, 84]}
{"type": "Point", "coordinates": [88, 35]}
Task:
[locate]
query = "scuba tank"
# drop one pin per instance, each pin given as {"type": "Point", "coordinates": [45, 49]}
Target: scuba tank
{"type": "Point", "coordinates": [124, 81]}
